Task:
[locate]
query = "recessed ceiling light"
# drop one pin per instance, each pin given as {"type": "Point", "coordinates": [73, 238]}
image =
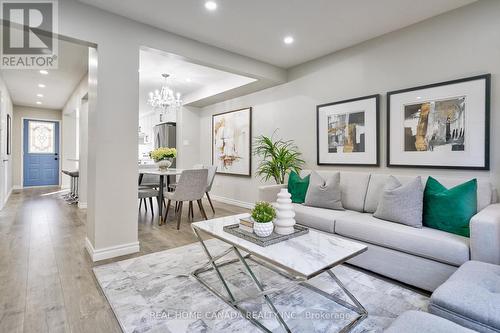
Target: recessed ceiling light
{"type": "Point", "coordinates": [288, 40]}
{"type": "Point", "coordinates": [44, 72]}
{"type": "Point", "coordinates": [188, 80]}
{"type": "Point", "coordinates": [39, 95]}
{"type": "Point", "coordinates": [38, 102]}
{"type": "Point", "coordinates": [41, 85]}
{"type": "Point", "coordinates": [211, 5]}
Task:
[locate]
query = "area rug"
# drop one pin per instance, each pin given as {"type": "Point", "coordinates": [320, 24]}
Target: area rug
{"type": "Point", "coordinates": [155, 293]}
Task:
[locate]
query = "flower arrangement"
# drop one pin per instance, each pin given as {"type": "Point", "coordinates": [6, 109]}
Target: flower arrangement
{"type": "Point", "coordinates": [263, 212]}
{"type": "Point", "coordinates": [162, 153]}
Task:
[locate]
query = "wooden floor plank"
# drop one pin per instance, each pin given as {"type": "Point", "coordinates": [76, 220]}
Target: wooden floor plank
{"type": "Point", "coordinates": [46, 280]}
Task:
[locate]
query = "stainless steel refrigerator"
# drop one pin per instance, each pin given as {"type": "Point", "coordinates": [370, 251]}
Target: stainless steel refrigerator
{"type": "Point", "coordinates": [165, 136]}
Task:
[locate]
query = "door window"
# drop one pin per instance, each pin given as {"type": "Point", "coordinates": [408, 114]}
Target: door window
{"type": "Point", "coordinates": [41, 137]}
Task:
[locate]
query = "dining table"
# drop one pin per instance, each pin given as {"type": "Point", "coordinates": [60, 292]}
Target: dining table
{"type": "Point", "coordinates": [164, 175]}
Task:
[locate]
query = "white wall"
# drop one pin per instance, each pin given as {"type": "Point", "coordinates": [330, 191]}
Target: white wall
{"type": "Point", "coordinates": [188, 137]}
{"type": "Point", "coordinates": [71, 130]}
{"type": "Point", "coordinates": [5, 160]}
{"type": "Point", "coordinates": [83, 121]}
{"type": "Point", "coordinates": [113, 113]}
{"type": "Point", "coordinates": [21, 112]}
{"type": "Point", "coordinates": [458, 44]}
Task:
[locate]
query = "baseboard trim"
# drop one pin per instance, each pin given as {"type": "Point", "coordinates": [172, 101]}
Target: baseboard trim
{"type": "Point", "coordinates": [82, 205]}
{"type": "Point", "coordinates": [17, 187]}
{"type": "Point", "coordinates": [8, 195]}
{"type": "Point", "coordinates": [244, 204]}
{"type": "Point", "coordinates": [110, 252]}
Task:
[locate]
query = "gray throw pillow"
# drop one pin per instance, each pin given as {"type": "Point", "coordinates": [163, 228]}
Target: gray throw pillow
{"type": "Point", "coordinates": [402, 203]}
{"type": "Point", "coordinates": [324, 193]}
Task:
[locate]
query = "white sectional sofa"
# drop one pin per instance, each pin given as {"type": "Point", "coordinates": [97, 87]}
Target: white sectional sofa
{"type": "Point", "coordinates": [422, 257]}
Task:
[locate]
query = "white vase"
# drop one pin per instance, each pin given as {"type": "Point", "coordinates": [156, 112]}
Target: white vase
{"type": "Point", "coordinates": [263, 229]}
{"type": "Point", "coordinates": [164, 164]}
{"type": "Point", "coordinates": [284, 222]}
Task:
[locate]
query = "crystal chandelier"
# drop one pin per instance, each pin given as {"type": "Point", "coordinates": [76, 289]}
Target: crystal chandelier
{"type": "Point", "coordinates": [164, 99]}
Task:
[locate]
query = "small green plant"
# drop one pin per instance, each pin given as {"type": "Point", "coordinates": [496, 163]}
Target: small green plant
{"type": "Point", "coordinates": [279, 158]}
{"type": "Point", "coordinates": [263, 212]}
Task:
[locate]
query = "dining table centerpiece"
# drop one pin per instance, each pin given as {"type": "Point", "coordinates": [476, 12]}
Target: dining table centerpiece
{"type": "Point", "coordinates": [163, 157]}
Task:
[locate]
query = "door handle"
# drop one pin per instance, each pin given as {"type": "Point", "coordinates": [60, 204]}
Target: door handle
{"type": "Point", "coordinates": [56, 158]}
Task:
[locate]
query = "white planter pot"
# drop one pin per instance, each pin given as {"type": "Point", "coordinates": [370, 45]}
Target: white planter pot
{"type": "Point", "coordinates": [164, 164]}
{"type": "Point", "coordinates": [284, 222]}
{"type": "Point", "coordinates": [263, 229]}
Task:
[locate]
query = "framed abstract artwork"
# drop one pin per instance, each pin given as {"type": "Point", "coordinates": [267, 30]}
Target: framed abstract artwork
{"type": "Point", "coordinates": [443, 125]}
{"type": "Point", "coordinates": [232, 142]}
{"type": "Point", "coordinates": [347, 132]}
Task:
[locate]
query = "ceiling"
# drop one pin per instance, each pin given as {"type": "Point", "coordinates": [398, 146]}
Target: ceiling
{"type": "Point", "coordinates": [60, 83]}
{"type": "Point", "coordinates": [256, 28]}
{"type": "Point", "coordinates": [194, 82]}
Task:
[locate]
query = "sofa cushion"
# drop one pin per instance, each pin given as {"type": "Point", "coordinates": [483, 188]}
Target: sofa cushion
{"type": "Point", "coordinates": [324, 192]}
{"type": "Point", "coordinates": [319, 218]}
{"type": "Point", "coordinates": [450, 209]}
{"type": "Point", "coordinates": [353, 186]}
{"type": "Point", "coordinates": [297, 187]}
{"type": "Point", "coordinates": [378, 181]}
{"type": "Point", "coordinates": [402, 203]}
{"type": "Point", "coordinates": [424, 242]}
{"type": "Point", "coordinates": [470, 297]}
{"type": "Point", "coordinates": [423, 322]}
{"type": "Point", "coordinates": [376, 188]}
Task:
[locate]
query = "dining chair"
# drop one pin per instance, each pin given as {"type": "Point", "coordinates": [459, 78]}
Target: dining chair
{"type": "Point", "coordinates": [196, 166]}
{"type": "Point", "coordinates": [149, 181]}
{"type": "Point", "coordinates": [212, 170]}
{"type": "Point", "coordinates": [147, 193]}
{"type": "Point", "coordinates": [191, 187]}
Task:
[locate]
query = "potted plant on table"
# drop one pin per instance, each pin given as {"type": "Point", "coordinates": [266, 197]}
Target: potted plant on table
{"type": "Point", "coordinates": [263, 215]}
{"type": "Point", "coordinates": [163, 157]}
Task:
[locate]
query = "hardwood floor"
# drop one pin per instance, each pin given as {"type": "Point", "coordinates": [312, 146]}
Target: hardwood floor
{"type": "Point", "coordinates": [46, 279]}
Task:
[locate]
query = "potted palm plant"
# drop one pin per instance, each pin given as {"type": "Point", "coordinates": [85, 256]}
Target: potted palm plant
{"type": "Point", "coordinates": [279, 158]}
{"type": "Point", "coordinates": [163, 157]}
{"type": "Point", "coordinates": [263, 215]}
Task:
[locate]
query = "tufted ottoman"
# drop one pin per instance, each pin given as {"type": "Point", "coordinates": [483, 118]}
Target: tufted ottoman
{"type": "Point", "coordinates": [470, 297]}
{"type": "Point", "coordinates": [423, 322]}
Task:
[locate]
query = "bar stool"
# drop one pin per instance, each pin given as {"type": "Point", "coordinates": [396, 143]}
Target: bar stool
{"type": "Point", "coordinates": [72, 196]}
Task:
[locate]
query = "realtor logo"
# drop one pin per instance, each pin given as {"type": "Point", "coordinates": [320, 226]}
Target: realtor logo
{"type": "Point", "coordinates": [29, 34]}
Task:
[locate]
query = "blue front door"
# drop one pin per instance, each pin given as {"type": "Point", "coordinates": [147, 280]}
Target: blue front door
{"type": "Point", "coordinates": [40, 152]}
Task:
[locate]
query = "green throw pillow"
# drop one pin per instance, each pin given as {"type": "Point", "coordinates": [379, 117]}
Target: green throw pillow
{"type": "Point", "coordinates": [298, 187]}
{"type": "Point", "coordinates": [450, 209]}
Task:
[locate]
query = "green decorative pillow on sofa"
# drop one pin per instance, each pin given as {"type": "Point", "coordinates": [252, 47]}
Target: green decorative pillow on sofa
{"type": "Point", "coordinates": [450, 209]}
{"type": "Point", "coordinates": [298, 187]}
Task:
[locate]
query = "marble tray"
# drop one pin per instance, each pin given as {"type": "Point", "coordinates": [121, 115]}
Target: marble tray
{"type": "Point", "coordinates": [274, 238]}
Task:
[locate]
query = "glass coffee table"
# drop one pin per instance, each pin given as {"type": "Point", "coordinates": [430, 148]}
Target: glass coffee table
{"type": "Point", "coordinates": [298, 259]}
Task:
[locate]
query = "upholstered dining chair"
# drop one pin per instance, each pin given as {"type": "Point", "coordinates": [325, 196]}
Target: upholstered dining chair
{"type": "Point", "coordinates": [147, 193]}
{"type": "Point", "coordinates": [191, 187]}
{"type": "Point", "coordinates": [212, 170]}
{"type": "Point", "coordinates": [172, 186]}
